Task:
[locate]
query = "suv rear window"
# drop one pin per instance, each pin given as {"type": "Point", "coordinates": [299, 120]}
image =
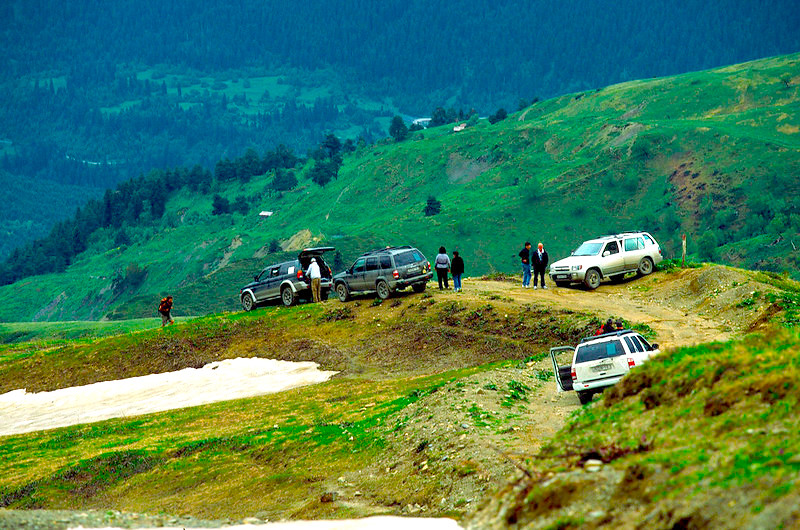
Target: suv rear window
{"type": "Point", "coordinates": [600, 350]}
{"type": "Point", "coordinates": [407, 258]}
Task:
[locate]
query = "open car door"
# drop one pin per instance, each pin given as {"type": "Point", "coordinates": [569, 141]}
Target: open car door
{"type": "Point", "coordinates": [562, 366]}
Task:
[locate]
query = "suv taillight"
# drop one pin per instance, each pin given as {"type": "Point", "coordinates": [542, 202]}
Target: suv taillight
{"type": "Point", "coordinates": [299, 274]}
{"type": "Point", "coordinates": [574, 375]}
{"type": "Point", "coordinates": [631, 362]}
{"type": "Point", "coordinates": [395, 274]}
{"type": "Point", "coordinates": [427, 266]}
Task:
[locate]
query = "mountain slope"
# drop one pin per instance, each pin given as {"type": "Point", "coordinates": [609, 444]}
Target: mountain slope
{"type": "Point", "coordinates": [714, 154]}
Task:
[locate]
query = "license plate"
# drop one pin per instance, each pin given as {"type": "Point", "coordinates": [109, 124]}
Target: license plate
{"type": "Point", "coordinates": [412, 269]}
{"type": "Point", "coordinates": [562, 277]}
{"type": "Point", "coordinates": [602, 367]}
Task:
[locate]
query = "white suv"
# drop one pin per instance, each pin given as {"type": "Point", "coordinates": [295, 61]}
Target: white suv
{"type": "Point", "coordinates": [609, 257]}
{"type": "Point", "coordinates": [599, 362]}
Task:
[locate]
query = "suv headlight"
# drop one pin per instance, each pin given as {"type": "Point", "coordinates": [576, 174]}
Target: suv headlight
{"type": "Point", "coordinates": [577, 267]}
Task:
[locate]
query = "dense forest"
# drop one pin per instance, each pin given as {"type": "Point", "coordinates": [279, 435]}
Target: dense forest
{"type": "Point", "coordinates": [95, 93]}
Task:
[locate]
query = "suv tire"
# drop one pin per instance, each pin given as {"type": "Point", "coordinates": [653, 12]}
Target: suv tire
{"type": "Point", "coordinates": [585, 396]}
{"type": "Point", "coordinates": [645, 267]}
{"type": "Point", "coordinates": [343, 292]}
{"type": "Point", "coordinates": [592, 279]}
{"type": "Point", "coordinates": [383, 290]}
{"type": "Point", "coordinates": [247, 302]}
{"type": "Point", "coordinates": [419, 287]}
{"type": "Point", "coordinates": [288, 297]}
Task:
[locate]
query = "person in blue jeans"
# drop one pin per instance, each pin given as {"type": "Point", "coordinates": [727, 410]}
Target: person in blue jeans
{"type": "Point", "coordinates": [442, 266]}
{"type": "Point", "coordinates": [525, 255]}
{"type": "Point", "coordinates": [457, 269]}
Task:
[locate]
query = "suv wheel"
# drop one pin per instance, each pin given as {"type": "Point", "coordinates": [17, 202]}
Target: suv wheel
{"type": "Point", "coordinates": [592, 279]}
{"type": "Point", "coordinates": [343, 292]}
{"type": "Point", "coordinates": [247, 302]}
{"type": "Point", "coordinates": [645, 267]}
{"type": "Point", "coordinates": [419, 287]}
{"type": "Point", "coordinates": [585, 396]}
{"type": "Point", "coordinates": [383, 290]}
{"type": "Point", "coordinates": [288, 297]}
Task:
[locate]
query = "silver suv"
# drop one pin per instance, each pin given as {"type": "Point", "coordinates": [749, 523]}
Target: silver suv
{"type": "Point", "coordinates": [287, 281]}
{"type": "Point", "coordinates": [383, 272]}
{"type": "Point", "coordinates": [599, 362]}
{"type": "Point", "coordinates": [610, 257]}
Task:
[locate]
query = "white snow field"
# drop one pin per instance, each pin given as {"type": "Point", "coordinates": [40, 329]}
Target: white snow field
{"type": "Point", "coordinates": [22, 412]}
{"type": "Point", "coordinates": [383, 522]}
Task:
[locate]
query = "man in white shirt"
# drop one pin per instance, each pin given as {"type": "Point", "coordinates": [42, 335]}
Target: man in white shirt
{"type": "Point", "coordinates": [316, 277]}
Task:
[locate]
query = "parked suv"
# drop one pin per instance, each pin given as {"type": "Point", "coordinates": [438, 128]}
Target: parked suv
{"type": "Point", "coordinates": [383, 272]}
{"type": "Point", "coordinates": [599, 362]}
{"type": "Point", "coordinates": [287, 281]}
{"type": "Point", "coordinates": [609, 257]}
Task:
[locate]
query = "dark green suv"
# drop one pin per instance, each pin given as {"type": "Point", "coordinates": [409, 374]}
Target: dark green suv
{"type": "Point", "coordinates": [383, 272]}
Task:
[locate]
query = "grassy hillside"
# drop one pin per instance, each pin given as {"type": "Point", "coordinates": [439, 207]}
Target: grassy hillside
{"type": "Point", "coordinates": [702, 437]}
{"type": "Point", "coordinates": [441, 397]}
{"type": "Point", "coordinates": [714, 154]}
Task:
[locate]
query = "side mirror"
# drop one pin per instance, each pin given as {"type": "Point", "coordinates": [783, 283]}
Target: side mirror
{"type": "Point", "coordinates": [653, 347]}
{"type": "Point", "coordinates": [606, 253]}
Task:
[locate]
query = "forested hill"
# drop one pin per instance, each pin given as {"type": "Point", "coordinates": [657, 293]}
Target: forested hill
{"type": "Point", "coordinates": [423, 51]}
{"type": "Point", "coordinates": [712, 154]}
{"type": "Point", "coordinates": [94, 93]}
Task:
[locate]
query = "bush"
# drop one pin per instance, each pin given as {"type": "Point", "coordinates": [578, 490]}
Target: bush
{"type": "Point", "coordinates": [432, 206]}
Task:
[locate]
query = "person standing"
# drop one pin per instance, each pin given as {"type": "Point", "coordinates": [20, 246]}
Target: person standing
{"type": "Point", "coordinates": [443, 265]}
{"type": "Point", "coordinates": [539, 261]}
{"type": "Point", "coordinates": [457, 269]}
{"type": "Point", "coordinates": [525, 255]}
{"type": "Point", "coordinates": [316, 278]}
{"type": "Point", "coordinates": [165, 309]}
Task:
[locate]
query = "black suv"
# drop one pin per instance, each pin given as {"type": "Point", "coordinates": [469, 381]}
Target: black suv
{"type": "Point", "coordinates": [287, 281]}
{"type": "Point", "coordinates": [384, 271]}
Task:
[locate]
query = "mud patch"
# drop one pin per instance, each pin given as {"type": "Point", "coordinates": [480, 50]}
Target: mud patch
{"type": "Point", "coordinates": [298, 241]}
{"type": "Point", "coordinates": [462, 170]}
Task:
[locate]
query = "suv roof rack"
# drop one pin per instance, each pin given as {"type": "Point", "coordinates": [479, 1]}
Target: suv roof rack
{"type": "Point", "coordinates": [387, 249]}
{"type": "Point", "coordinates": [616, 332]}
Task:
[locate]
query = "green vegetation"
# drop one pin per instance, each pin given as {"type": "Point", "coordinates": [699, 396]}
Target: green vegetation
{"type": "Point", "coordinates": [652, 150]}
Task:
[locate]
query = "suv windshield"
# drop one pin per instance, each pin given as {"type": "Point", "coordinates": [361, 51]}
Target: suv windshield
{"type": "Point", "coordinates": [602, 350]}
{"type": "Point", "coordinates": [588, 249]}
{"type": "Point", "coordinates": [407, 258]}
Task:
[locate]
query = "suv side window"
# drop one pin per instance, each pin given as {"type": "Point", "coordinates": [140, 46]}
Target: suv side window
{"type": "Point", "coordinates": [386, 261]}
{"type": "Point", "coordinates": [612, 248]}
{"type": "Point", "coordinates": [649, 239]}
{"type": "Point", "coordinates": [634, 243]}
{"type": "Point", "coordinates": [646, 345]}
{"type": "Point", "coordinates": [372, 264]}
{"type": "Point", "coordinates": [359, 265]}
{"type": "Point", "coordinates": [634, 344]}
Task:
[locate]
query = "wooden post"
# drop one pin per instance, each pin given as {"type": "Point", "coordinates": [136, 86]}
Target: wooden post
{"type": "Point", "coordinates": [683, 250]}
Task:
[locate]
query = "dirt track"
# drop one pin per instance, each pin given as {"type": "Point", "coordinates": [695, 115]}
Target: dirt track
{"type": "Point", "coordinates": [683, 308]}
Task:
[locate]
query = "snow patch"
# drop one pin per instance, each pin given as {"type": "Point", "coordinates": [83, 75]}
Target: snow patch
{"type": "Point", "coordinates": [22, 412]}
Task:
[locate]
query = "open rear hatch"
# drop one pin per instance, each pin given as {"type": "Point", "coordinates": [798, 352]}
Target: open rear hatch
{"type": "Point", "coordinates": [316, 252]}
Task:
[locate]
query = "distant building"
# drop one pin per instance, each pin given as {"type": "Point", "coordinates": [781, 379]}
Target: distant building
{"type": "Point", "coordinates": [460, 127]}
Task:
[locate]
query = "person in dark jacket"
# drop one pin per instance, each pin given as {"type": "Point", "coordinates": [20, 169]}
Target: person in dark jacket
{"type": "Point", "coordinates": [608, 327]}
{"type": "Point", "coordinates": [539, 260]}
{"type": "Point", "coordinates": [457, 269]}
{"type": "Point", "coordinates": [525, 255]}
{"type": "Point", "coordinates": [442, 265]}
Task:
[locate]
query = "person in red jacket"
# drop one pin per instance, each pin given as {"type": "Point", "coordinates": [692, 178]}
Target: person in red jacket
{"type": "Point", "coordinates": [164, 309]}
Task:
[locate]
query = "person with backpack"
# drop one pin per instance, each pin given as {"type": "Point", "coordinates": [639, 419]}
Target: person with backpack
{"type": "Point", "coordinates": [457, 269]}
{"type": "Point", "coordinates": [164, 308]}
{"type": "Point", "coordinates": [442, 265]}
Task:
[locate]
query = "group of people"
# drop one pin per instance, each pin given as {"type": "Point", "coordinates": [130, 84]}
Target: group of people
{"type": "Point", "coordinates": [610, 326]}
{"type": "Point", "coordinates": [443, 265]}
{"type": "Point", "coordinates": [536, 260]}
